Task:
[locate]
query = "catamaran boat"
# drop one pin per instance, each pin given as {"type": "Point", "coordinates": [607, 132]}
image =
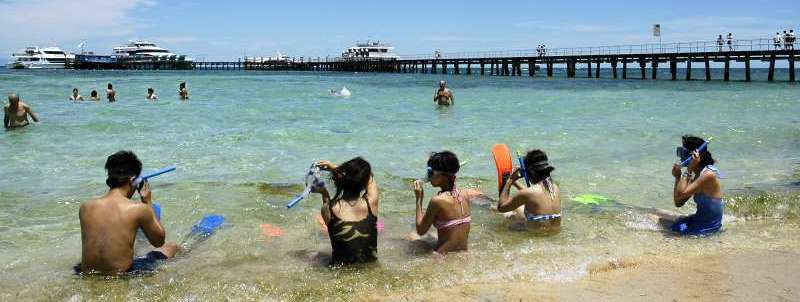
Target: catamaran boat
{"type": "Point", "coordinates": [39, 58]}
{"type": "Point", "coordinates": [370, 51]}
{"type": "Point", "coordinates": [142, 50]}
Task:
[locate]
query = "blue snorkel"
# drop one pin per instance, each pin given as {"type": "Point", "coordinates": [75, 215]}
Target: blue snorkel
{"type": "Point", "coordinates": [141, 179]}
{"type": "Point", "coordinates": [685, 163]}
{"type": "Point", "coordinates": [523, 169]}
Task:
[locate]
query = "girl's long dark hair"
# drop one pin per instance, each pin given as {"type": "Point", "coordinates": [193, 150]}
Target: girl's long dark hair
{"type": "Point", "coordinates": [351, 178]}
{"type": "Point", "coordinates": [691, 143]}
{"type": "Point", "coordinates": [446, 162]}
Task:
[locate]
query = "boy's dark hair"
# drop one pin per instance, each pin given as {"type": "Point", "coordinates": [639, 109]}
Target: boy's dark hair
{"type": "Point", "coordinates": [444, 161]}
{"type": "Point", "coordinates": [121, 166]}
{"type": "Point", "coordinates": [94, 93]}
{"type": "Point", "coordinates": [110, 86]}
{"type": "Point", "coordinates": [538, 166]}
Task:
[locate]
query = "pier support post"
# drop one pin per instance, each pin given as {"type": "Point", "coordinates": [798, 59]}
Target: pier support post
{"type": "Point", "coordinates": [482, 66]}
{"type": "Point", "coordinates": [597, 68]}
{"type": "Point", "coordinates": [491, 69]}
{"type": "Point", "coordinates": [531, 67]}
{"type": "Point", "coordinates": [727, 76]}
{"type": "Point", "coordinates": [550, 68]}
{"type": "Point", "coordinates": [444, 67]}
{"type": "Point", "coordinates": [642, 67]}
{"type": "Point", "coordinates": [655, 68]}
{"type": "Point", "coordinates": [673, 68]}
{"type": "Point", "coordinates": [456, 68]}
{"type": "Point", "coordinates": [747, 68]}
{"type": "Point", "coordinates": [469, 67]}
{"type": "Point", "coordinates": [791, 67]}
{"type": "Point", "coordinates": [624, 69]}
{"type": "Point", "coordinates": [708, 68]}
{"type": "Point", "coordinates": [505, 67]}
{"type": "Point", "coordinates": [614, 68]}
{"type": "Point", "coordinates": [433, 66]}
{"type": "Point", "coordinates": [496, 68]}
{"type": "Point", "coordinates": [589, 67]}
{"type": "Point", "coordinates": [771, 74]}
{"type": "Point", "coordinates": [519, 68]}
{"type": "Point", "coordinates": [689, 68]}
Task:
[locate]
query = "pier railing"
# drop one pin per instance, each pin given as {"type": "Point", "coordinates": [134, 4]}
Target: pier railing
{"type": "Point", "coordinates": [640, 49]}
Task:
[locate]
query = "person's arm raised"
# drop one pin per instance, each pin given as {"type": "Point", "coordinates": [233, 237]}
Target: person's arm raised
{"type": "Point", "coordinates": [506, 203]}
{"type": "Point", "coordinates": [424, 218]}
{"type": "Point", "coordinates": [147, 219]}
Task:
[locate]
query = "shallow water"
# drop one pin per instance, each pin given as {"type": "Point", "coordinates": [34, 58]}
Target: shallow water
{"type": "Point", "coordinates": [243, 142]}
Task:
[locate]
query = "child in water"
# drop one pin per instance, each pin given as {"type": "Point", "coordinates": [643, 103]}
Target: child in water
{"type": "Point", "coordinates": [700, 181]}
{"type": "Point", "coordinates": [539, 205]}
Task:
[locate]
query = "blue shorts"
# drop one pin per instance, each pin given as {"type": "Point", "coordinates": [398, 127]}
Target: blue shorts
{"type": "Point", "coordinates": [690, 225]}
{"type": "Point", "coordinates": [146, 264]}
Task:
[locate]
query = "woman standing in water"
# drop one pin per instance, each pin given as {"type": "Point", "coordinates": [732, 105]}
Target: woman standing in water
{"type": "Point", "coordinates": [701, 181]}
{"type": "Point", "coordinates": [540, 204]}
{"type": "Point", "coordinates": [351, 214]}
{"type": "Point", "coordinates": [448, 210]}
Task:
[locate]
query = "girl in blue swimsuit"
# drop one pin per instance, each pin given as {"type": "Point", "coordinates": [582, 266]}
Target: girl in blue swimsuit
{"type": "Point", "coordinates": [701, 181]}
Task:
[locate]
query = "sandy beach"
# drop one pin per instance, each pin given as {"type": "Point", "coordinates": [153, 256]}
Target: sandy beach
{"type": "Point", "coordinates": [752, 275]}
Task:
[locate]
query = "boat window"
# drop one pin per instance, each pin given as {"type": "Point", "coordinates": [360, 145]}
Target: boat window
{"type": "Point", "coordinates": [54, 52]}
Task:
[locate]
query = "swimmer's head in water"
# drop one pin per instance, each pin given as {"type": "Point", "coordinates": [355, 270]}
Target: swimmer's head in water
{"type": "Point", "coordinates": [351, 177]}
{"type": "Point", "coordinates": [537, 166]}
{"type": "Point", "coordinates": [122, 167]}
{"type": "Point", "coordinates": [110, 86]}
{"type": "Point", "coordinates": [94, 93]}
{"type": "Point", "coordinates": [182, 85]}
{"type": "Point", "coordinates": [442, 84]}
{"type": "Point", "coordinates": [692, 143]}
{"type": "Point", "coordinates": [443, 167]}
{"type": "Point", "coordinates": [13, 98]}
{"type": "Point", "coordinates": [150, 90]}
{"type": "Point", "coordinates": [75, 90]}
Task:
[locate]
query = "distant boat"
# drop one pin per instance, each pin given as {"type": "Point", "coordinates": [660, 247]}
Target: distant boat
{"type": "Point", "coordinates": [143, 50]}
{"type": "Point", "coordinates": [370, 51]}
{"type": "Point", "coordinates": [39, 58]}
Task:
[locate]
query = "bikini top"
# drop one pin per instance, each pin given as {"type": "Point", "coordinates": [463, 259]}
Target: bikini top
{"type": "Point", "coordinates": [548, 186]}
{"type": "Point", "coordinates": [447, 224]}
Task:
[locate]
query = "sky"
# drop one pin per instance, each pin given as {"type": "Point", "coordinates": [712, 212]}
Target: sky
{"type": "Point", "coordinates": [227, 30]}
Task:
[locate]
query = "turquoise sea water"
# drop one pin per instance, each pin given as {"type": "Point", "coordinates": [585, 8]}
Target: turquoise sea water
{"type": "Point", "coordinates": [243, 142]}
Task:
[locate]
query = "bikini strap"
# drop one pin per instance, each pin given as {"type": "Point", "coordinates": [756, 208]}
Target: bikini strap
{"type": "Point", "coordinates": [369, 210]}
{"type": "Point", "coordinates": [457, 196]}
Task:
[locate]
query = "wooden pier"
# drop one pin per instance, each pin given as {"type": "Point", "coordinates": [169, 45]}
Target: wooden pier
{"type": "Point", "coordinates": [626, 62]}
{"type": "Point", "coordinates": [636, 57]}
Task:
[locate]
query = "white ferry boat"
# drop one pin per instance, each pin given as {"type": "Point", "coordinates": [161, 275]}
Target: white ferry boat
{"type": "Point", "coordinates": [143, 50]}
{"type": "Point", "coordinates": [370, 51]}
{"type": "Point", "coordinates": [39, 58]}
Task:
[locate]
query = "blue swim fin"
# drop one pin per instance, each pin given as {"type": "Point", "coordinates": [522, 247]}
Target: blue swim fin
{"type": "Point", "coordinates": [207, 225]}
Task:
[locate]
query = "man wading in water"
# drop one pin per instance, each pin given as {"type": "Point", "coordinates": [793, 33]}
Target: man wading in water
{"type": "Point", "coordinates": [444, 96]}
{"type": "Point", "coordinates": [16, 113]}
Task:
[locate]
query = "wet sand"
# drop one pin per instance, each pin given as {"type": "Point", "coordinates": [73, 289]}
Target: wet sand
{"type": "Point", "coordinates": [752, 275]}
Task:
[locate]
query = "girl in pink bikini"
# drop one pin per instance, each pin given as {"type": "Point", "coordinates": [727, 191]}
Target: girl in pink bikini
{"type": "Point", "coordinates": [449, 210]}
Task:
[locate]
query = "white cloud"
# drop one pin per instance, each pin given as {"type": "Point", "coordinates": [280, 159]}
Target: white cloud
{"type": "Point", "coordinates": [45, 22]}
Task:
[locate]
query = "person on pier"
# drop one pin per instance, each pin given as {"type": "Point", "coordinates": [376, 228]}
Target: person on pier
{"type": "Point", "coordinates": [790, 39]}
{"type": "Point", "coordinates": [720, 42]}
{"type": "Point", "coordinates": [776, 41]}
{"type": "Point", "coordinates": [16, 113]}
{"type": "Point", "coordinates": [183, 92]}
{"type": "Point", "coordinates": [151, 94]}
{"type": "Point", "coordinates": [75, 95]}
{"type": "Point", "coordinates": [111, 94]}
{"type": "Point", "coordinates": [730, 41]}
{"type": "Point", "coordinates": [444, 96]}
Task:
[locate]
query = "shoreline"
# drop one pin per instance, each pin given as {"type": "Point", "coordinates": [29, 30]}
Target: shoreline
{"type": "Point", "coordinates": [728, 275]}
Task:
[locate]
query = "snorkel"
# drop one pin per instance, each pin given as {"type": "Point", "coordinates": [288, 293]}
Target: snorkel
{"type": "Point", "coordinates": [686, 157]}
{"type": "Point", "coordinates": [523, 169]}
{"type": "Point", "coordinates": [314, 178]}
{"type": "Point", "coordinates": [139, 181]}
{"type": "Point", "coordinates": [429, 171]}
